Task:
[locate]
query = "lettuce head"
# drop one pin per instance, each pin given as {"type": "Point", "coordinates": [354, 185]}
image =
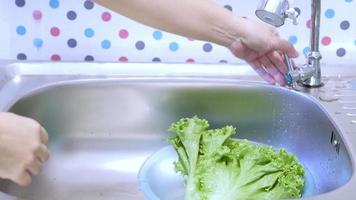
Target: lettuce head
{"type": "Point", "coordinates": [217, 167]}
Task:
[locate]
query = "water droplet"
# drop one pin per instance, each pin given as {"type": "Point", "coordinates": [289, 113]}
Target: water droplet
{"type": "Point", "coordinates": [340, 85]}
{"type": "Point", "coordinates": [328, 97]}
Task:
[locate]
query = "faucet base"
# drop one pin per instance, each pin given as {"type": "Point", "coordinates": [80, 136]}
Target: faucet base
{"type": "Point", "coordinates": [308, 85]}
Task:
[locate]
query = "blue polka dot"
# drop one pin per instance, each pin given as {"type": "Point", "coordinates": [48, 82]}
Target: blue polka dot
{"type": "Point", "coordinates": [89, 32]}
{"type": "Point", "coordinates": [355, 42]}
{"type": "Point", "coordinates": [54, 4]}
{"type": "Point", "coordinates": [140, 45]}
{"type": "Point", "coordinates": [38, 42]}
{"type": "Point", "coordinates": [21, 30]}
{"type": "Point", "coordinates": [157, 35]}
{"type": "Point", "coordinates": [306, 50]}
{"type": "Point", "coordinates": [293, 39]}
{"type": "Point", "coordinates": [329, 13]}
{"type": "Point", "coordinates": [348, 1]}
{"type": "Point", "coordinates": [173, 46]}
{"type": "Point", "coordinates": [105, 44]}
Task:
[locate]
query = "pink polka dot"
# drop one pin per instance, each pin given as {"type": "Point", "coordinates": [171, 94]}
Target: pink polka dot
{"type": "Point", "coordinates": [37, 14]}
{"type": "Point", "coordinates": [55, 31]}
{"type": "Point", "coordinates": [309, 24]}
{"type": "Point", "coordinates": [123, 59]}
{"type": "Point", "coordinates": [55, 57]}
{"type": "Point", "coordinates": [123, 33]}
{"type": "Point", "coordinates": [326, 41]}
{"type": "Point", "coordinates": [106, 16]}
{"type": "Point", "coordinates": [190, 60]}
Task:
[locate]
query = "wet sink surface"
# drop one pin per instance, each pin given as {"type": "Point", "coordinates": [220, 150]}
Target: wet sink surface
{"type": "Point", "coordinates": [102, 131]}
{"type": "Point", "coordinates": [105, 119]}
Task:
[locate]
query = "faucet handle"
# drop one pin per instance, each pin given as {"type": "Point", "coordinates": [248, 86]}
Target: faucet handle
{"type": "Point", "coordinates": [299, 75]}
{"type": "Point", "coordinates": [290, 75]}
{"type": "Point", "coordinates": [293, 14]}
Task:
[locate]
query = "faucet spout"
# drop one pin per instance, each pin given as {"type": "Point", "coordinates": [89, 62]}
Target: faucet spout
{"type": "Point", "coordinates": [314, 56]}
{"type": "Point", "coordinates": [315, 25]}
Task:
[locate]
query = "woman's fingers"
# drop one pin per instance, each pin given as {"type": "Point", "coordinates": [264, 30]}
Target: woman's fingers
{"type": "Point", "coordinates": [35, 167]}
{"type": "Point", "coordinates": [272, 70]}
{"type": "Point", "coordinates": [255, 63]}
{"type": "Point", "coordinates": [277, 61]}
{"type": "Point", "coordinates": [270, 66]}
{"type": "Point", "coordinates": [25, 148]}
{"type": "Point", "coordinates": [23, 179]}
{"type": "Point", "coordinates": [283, 45]}
{"type": "Point", "coordinates": [42, 153]}
{"type": "Point", "coordinates": [240, 50]}
{"type": "Point", "coordinates": [44, 136]}
{"type": "Point", "coordinates": [251, 55]}
{"type": "Point", "coordinates": [257, 66]}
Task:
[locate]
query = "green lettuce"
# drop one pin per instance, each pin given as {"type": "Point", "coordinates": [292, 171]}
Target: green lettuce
{"type": "Point", "coordinates": [217, 167]}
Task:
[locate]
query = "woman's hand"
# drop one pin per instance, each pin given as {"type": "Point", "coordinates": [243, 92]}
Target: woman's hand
{"type": "Point", "coordinates": [23, 148]}
{"type": "Point", "coordinates": [255, 42]}
{"type": "Point", "coordinates": [261, 47]}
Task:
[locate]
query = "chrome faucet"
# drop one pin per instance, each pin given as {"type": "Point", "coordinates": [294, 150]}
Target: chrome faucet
{"type": "Point", "coordinates": [275, 12]}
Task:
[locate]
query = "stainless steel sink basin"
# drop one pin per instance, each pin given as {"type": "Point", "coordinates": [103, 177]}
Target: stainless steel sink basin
{"type": "Point", "coordinates": [102, 127]}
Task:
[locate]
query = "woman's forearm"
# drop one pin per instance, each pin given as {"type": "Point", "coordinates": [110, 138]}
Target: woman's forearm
{"type": "Point", "coordinates": [257, 43]}
{"type": "Point", "coordinates": [198, 19]}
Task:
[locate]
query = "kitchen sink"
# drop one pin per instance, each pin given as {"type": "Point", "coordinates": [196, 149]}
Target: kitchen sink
{"type": "Point", "coordinates": [103, 125]}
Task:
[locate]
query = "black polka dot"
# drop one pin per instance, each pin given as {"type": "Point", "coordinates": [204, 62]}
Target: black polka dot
{"type": "Point", "coordinates": [341, 52]}
{"type": "Point", "coordinates": [89, 58]}
{"type": "Point", "coordinates": [71, 15]}
{"type": "Point", "coordinates": [140, 45]}
{"type": "Point", "coordinates": [20, 3]}
{"type": "Point", "coordinates": [72, 43]}
{"type": "Point", "coordinates": [207, 47]}
{"type": "Point", "coordinates": [344, 25]}
{"type": "Point", "coordinates": [223, 61]}
{"type": "Point", "coordinates": [228, 7]}
{"type": "Point", "coordinates": [21, 56]}
{"type": "Point", "coordinates": [88, 4]}
{"type": "Point", "coordinates": [156, 59]}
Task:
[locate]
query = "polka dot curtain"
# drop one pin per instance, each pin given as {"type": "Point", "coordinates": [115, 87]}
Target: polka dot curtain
{"type": "Point", "coordinates": [67, 30]}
